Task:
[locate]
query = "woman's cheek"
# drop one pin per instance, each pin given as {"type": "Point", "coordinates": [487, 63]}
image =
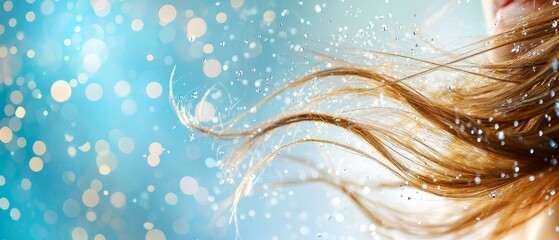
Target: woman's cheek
{"type": "Point", "coordinates": [507, 17]}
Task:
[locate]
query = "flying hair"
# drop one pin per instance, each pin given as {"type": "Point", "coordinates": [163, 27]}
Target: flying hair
{"type": "Point", "coordinates": [492, 140]}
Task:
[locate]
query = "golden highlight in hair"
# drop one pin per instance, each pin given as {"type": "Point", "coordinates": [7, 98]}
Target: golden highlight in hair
{"type": "Point", "coordinates": [494, 137]}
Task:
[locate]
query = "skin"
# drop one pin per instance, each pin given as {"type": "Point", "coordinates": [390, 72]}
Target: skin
{"type": "Point", "coordinates": [499, 13]}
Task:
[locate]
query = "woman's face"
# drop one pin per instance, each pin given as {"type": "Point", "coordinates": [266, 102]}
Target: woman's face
{"type": "Point", "coordinates": [499, 14]}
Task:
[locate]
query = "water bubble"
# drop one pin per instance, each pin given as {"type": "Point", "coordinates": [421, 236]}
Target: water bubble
{"type": "Point", "coordinates": [552, 144]}
{"type": "Point", "coordinates": [515, 49]}
{"type": "Point", "coordinates": [501, 135]}
{"type": "Point", "coordinates": [477, 180]}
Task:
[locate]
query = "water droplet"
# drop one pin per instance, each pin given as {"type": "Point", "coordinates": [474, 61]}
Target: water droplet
{"type": "Point", "coordinates": [477, 180]}
{"type": "Point", "coordinates": [501, 135]}
{"type": "Point", "coordinates": [515, 49]}
{"type": "Point", "coordinates": [493, 194]}
{"type": "Point", "coordinates": [554, 65]}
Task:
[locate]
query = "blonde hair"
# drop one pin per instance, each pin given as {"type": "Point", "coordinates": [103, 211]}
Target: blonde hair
{"type": "Point", "coordinates": [494, 138]}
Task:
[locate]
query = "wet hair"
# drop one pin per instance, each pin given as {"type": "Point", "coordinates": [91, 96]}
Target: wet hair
{"type": "Point", "coordinates": [491, 136]}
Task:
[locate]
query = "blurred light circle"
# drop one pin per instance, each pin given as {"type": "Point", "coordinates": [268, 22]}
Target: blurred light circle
{"type": "Point", "coordinates": [118, 199]}
{"type": "Point", "coordinates": [8, 6]}
{"type": "Point", "coordinates": [20, 112]}
{"type": "Point", "coordinates": [137, 25]}
{"type": "Point", "coordinates": [30, 16]}
{"type": "Point", "coordinates": [90, 198]}
{"type": "Point", "coordinates": [104, 169]}
{"type": "Point", "coordinates": [208, 48]}
{"type": "Point", "coordinates": [188, 13]}
{"type": "Point", "coordinates": [212, 68]}
{"type": "Point", "coordinates": [107, 158]}
{"type": "Point", "coordinates": [96, 185]}
{"type": "Point", "coordinates": [196, 27]}
{"type": "Point", "coordinates": [237, 3]}
{"type": "Point", "coordinates": [269, 16]}
{"type": "Point", "coordinates": [68, 177]}
{"type": "Point", "coordinates": [6, 134]}
{"type": "Point", "coordinates": [155, 234]}
{"type": "Point", "coordinates": [154, 90]}
{"type": "Point", "coordinates": [101, 7]}
{"type": "Point", "coordinates": [60, 91]}
{"type": "Point", "coordinates": [221, 17]}
{"type": "Point", "coordinates": [3, 52]}
{"type": "Point", "coordinates": [181, 227]}
{"type": "Point", "coordinates": [4, 203]}
{"type": "Point", "coordinates": [30, 53]}
{"type": "Point", "coordinates": [126, 145]}
{"type": "Point", "coordinates": [91, 216]}
{"type": "Point", "coordinates": [82, 78]}
{"type": "Point", "coordinates": [96, 46]}
{"type": "Point", "coordinates": [168, 60]}
{"type": "Point", "coordinates": [201, 195]}
{"type": "Point", "coordinates": [122, 88]}
{"type": "Point", "coordinates": [94, 92]}
{"type": "Point", "coordinates": [26, 184]}
{"type": "Point", "coordinates": [39, 148]}
{"type": "Point", "coordinates": [167, 13]}
{"type": "Point", "coordinates": [14, 124]}
{"type": "Point", "coordinates": [91, 62]}
{"type": "Point", "coordinates": [71, 208]}
{"type": "Point", "coordinates": [16, 97]}
{"type": "Point", "coordinates": [153, 160]}
{"type": "Point", "coordinates": [47, 7]}
{"type": "Point", "coordinates": [21, 142]}
{"type": "Point", "coordinates": [171, 198]}
{"type": "Point", "coordinates": [15, 214]}
{"type": "Point", "coordinates": [188, 185]}
{"type": "Point", "coordinates": [102, 146]}
{"type": "Point", "coordinates": [128, 107]}
{"type": "Point", "coordinates": [50, 217]}
{"type": "Point", "coordinates": [155, 148]}
{"type": "Point", "coordinates": [36, 164]}
{"type": "Point", "coordinates": [9, 110]}
{"type": "Point", "coordinates": [79, 234]}
{"type": "Point", "coordinates": [204, 111]}
{"type": "Point", "coordinates": [148, 225]}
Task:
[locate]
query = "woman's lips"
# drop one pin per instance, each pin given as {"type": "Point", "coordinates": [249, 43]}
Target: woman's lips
{"type": "Point", "coordinates": [509, 11]}
{"type": "Point", "coordinates": [501, 3]}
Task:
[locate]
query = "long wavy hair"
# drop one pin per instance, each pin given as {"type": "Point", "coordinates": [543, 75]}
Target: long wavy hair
{"type": "Point", "coordinates": [492, 135]}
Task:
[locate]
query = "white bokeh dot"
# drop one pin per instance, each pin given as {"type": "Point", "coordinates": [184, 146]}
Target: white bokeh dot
{"type": "Point", "coordinates": [154, 90]}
